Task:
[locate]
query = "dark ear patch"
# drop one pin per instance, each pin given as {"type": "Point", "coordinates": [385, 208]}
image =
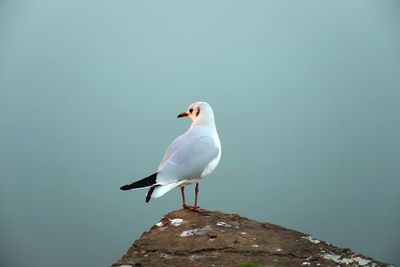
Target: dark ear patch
{"type": "Point", "coordinates": [198, 112]}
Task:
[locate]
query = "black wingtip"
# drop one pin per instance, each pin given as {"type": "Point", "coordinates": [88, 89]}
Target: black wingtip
{"type": "Point", "coordinates": [125, 187]}
{"type": "Point", "coordinates": [148, 196]}
{"type": "Point", "coordinates": [145, 182]}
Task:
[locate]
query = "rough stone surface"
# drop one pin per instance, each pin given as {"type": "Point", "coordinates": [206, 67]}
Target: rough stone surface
{"type": "Point", "coordinates": [212, 238]}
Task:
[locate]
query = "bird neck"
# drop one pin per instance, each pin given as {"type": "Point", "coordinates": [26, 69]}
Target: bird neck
{"type": "Point", "coordinates": [204, 122]}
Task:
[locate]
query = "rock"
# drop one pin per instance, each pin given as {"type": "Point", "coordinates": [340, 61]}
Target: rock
{"type": "Point", "coordinates": [212, 238]}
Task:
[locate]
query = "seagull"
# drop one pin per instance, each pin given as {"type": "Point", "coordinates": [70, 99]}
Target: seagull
{"type": "Point", "coordinates": [189, 158]}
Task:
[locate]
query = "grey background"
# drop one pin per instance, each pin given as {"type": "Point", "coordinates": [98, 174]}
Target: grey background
{"type": "Point", "coordinates": [306, 97]}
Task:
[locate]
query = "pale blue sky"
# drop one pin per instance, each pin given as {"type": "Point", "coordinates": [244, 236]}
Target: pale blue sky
{"type": "Point", "coordinates": [305, 94]}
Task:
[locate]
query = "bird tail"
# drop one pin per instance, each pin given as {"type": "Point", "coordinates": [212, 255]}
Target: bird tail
{"type": "Point", "coordinates": [158, 190]}
{"type": "Point", "coordinates": [145, 182]}
{"type": "Point", "coordinates": [161, 190]}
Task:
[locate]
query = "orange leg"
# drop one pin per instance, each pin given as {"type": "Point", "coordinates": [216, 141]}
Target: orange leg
{"type": "Point", "coordinates": [196, 191]}
{"type": "Point", "coordinates": [195, 207]}
{"type": "Point", "coordinates": [183, 198]}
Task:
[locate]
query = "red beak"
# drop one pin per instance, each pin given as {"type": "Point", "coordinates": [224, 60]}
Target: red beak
{"type": "Point", "coordinates": [183, 114]}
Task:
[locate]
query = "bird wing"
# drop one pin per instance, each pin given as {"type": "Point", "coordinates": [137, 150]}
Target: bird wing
{"type": "Point", "coordinates": [187, 157]}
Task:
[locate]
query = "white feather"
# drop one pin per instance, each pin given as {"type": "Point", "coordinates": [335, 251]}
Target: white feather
{"type": "Point", "coordinates": [162, 189]}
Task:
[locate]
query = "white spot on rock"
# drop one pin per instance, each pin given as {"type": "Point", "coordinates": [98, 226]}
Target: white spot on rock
{"type": "Point", "coordinates": [176, 222]}
{"type": "Point", "coordinates": [278, 250]}
{"type": "Point", "coordinates": [194, 257]}
{"type": "Point", "coordinates": [125, 265]}
{"type": "Point", "coordinates": [306, 263]}
{"type": "Point", "coordinates": [195, 232]}
{"type": "Point", "coordinates": [242, 233]}
{"type": "Point", "coordinates": [254, 246]}
{"type": "Point", "coordinates": [159, 224]}
{"type": "Point", "coordinates": [339, 259]}
{"type": "Point", "coordinates": [312, 240]}
{"type": "Point", "coordinates": [224, 224]}
{"type": "Point", "coordinates": [163, 255]}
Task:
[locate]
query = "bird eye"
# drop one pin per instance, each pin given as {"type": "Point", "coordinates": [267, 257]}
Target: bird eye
{"type": "Point", "coordinates": [191, 110]}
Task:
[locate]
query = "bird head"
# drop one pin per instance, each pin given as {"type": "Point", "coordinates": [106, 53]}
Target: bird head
{"type": "Point", "coordinates": [199, 113]}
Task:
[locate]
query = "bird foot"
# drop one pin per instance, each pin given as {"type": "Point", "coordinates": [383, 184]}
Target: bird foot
{"type": "Point", "coordinates": [195, 209]}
